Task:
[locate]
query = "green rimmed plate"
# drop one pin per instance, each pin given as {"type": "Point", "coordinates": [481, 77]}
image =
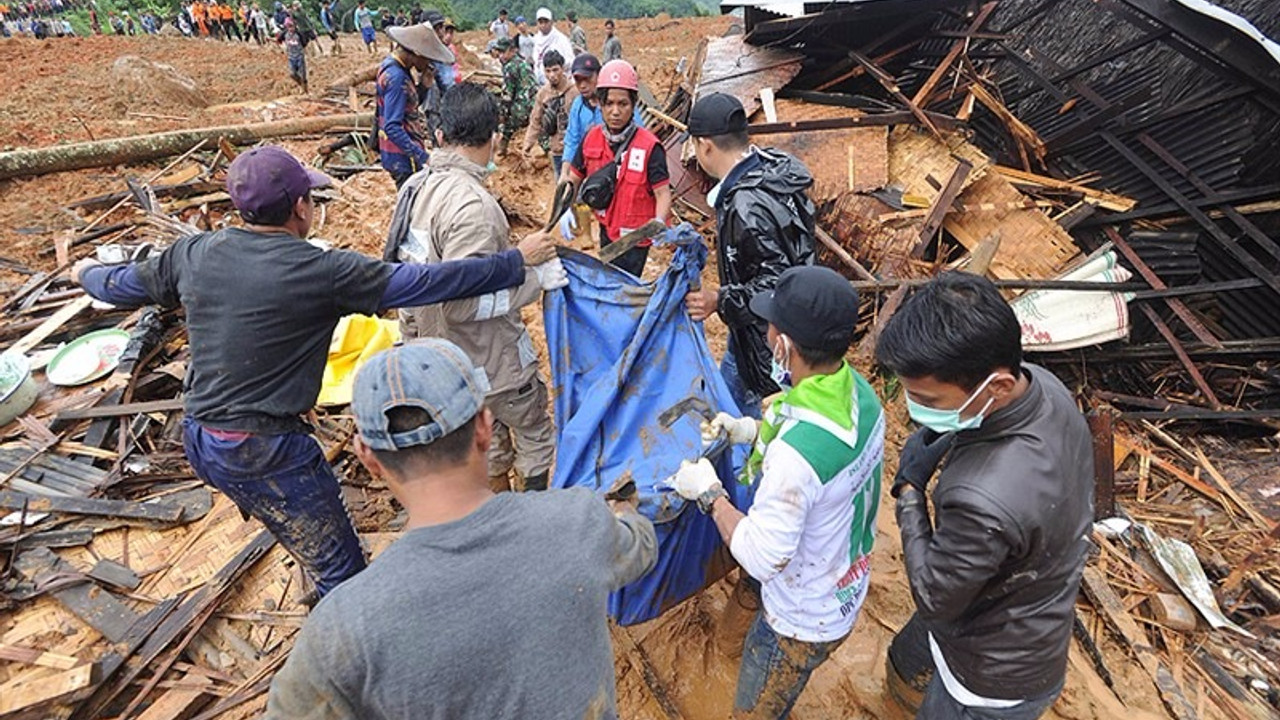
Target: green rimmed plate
{"type": "Point", "coordinates": [87, 358]}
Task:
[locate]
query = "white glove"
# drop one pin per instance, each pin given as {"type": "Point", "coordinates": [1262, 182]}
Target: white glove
{"type": "Point", "coordinates": [739, 430]}
{"type": "Point", "coordinates": [551, 274]}
{"type": "Point", "coordinates": [568, 225]}
{"type": "Point", "coordinates": [694, 480]}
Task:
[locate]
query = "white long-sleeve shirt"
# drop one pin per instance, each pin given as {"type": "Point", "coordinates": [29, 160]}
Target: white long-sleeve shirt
{"type": "Point", "coordinates": [554, 40]}
{"type": "Point", "coordinates": [806, 541]}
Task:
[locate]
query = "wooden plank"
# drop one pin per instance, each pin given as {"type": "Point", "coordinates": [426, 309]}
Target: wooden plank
{"type": "Point", "coordinates": [1112, 609]}
{"type": "Point", "coordinates": [51, 325]}
{"type": "Point", "coordinates": [941, 204]}
{"type": "Point", "coordinates": [31, 656]}
{"type": "Point", "coordinates": [159, 512]}
{"type": "Point", "coordinates": [956, 48]}
{"type": "Point", "coordinates": [175, 702]}
{"type": "Point", "coordinates": [113, 573]}
{"type": "Point", "coordinates": [891, 86]}
{"type": "Point", "coordinates": [137, 408]}
{"type": "Point", "coordinates": [26, 692]}
{"type": "Point", "coordinates": [98, 608]}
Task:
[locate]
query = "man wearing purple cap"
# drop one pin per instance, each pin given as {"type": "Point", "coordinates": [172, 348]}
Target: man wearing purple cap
{"type": "Point", "coordinates": [261, 305]}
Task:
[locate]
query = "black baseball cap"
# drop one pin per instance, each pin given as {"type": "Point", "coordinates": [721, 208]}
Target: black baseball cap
{"type": "Point", "coordinates": [585, 64]}
{"type": "Point", "coordinates": [717, 114]}
{"type": "Point", "coordinates": [813, 305]}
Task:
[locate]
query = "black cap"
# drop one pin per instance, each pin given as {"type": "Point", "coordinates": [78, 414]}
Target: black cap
{"type": "Point", "coordinates": [585, 64]}
{"type": "Point", "coordinates": [435, 17]}
{"type": "Point", "coordinates": [813, 305]}
{"type": "Point", "coordinates": [717, 114]}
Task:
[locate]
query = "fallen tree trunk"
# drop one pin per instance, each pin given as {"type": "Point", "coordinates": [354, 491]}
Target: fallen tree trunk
{"type": "Point", "coordinates": [141, 148]}
{"type": "Point", "coordinates": [359, 77]}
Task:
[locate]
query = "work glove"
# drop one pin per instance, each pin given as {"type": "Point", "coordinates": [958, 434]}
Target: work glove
{"type": "Point", "coordinates": [551, 275]}
{"type": "Point", "coordinates": [697, 482]}
{"type": "Point", "coordinates": [568, 225]}
{"type": "Point", "coordinates": [739, 430]}
{"type": "Point", "coordinates": [919, 458]}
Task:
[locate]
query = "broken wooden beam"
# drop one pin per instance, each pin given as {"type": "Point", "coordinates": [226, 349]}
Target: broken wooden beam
{"type": "Point", "coordinates": [156, 511]}
{"type": "Point", "coordinates": [143, 148]}
{"type": "Point", "coordinates": [890, 85]}
{"type": "Point", "coordinates": [957, 47]}
{"type": "Point", "coordinates": [121, 410]}
{"type": "Point", "coordinates": [941, 204]}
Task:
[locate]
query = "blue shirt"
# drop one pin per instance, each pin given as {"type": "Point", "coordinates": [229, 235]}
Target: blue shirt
{"type": "Point", "coordinates": [402, 125]}
{"type": "Point", "coordinates": [583, 117]}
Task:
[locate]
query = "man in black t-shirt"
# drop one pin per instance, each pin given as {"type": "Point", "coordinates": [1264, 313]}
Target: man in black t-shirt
{"type": "Point", "coordinates": [261, 305]}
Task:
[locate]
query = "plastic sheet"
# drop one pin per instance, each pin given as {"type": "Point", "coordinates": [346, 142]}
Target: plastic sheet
{"type": "Point", "coordinates": [622, 352]}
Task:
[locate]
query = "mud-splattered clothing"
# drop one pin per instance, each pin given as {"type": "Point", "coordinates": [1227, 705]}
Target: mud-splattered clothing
{"type": "Point", "coordinates": [500, 614]}
{"type": "Point", "coordinates": [518, 88]}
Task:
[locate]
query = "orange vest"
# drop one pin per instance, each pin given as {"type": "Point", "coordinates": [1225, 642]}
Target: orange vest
{"type": "Point", "coordinates": [633, 203]}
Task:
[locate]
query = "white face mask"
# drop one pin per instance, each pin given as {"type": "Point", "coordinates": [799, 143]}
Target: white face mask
{"type": "Point", "coordinates": [944, 421]}
{"type": "Point", "coordinates": [781, 373]}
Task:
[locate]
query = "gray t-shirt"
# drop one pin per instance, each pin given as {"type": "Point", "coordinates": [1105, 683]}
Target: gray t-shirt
{"type": "Point", "coordinates": [500, 614]}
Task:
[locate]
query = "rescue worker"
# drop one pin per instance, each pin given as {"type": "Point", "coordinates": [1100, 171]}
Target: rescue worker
{"type": "Point", "coordinates": [331, 19]}
{"type": "Point", "coordinates": [577, 36]}
{"type": "Point", "coordinates": [260, 307]}
{"type": "Point", "coordinates": [612, 45]}
{"type": "Point", "coordinates": [454, 216]}
{"type": "Point", "coordinates": [547, 38]}
{"type": "Point", "coordinates": [550, 115]}
{"type": "Point", "coordinates": [996, 572]}
{"type": "Point", "coordinates": [402, 124]}
{"type": "Point", "coordinates": [584, 111]}
{"type": "Point", "coordinates": [642, 187]}
{"type": "Point", "coordinates": [518, 88]}
{"type": "Point", "coordinates": [818, 454]}
{"type": "Point", "coordinates": [481, 593]}
{"type": "Point", "coordinates": [765, 225]}
{"type": "Point", "coordinates": [363, 18]}
{"type": "Point", "coordinates": [525, 41]}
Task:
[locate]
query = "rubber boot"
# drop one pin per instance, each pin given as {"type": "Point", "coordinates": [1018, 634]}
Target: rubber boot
{"type": "Point", "coordinates": [908, 666]}
{"type": "Point", "coordinates": [739, 612]}
{"type": "Point", "coordinates": [535, 483]}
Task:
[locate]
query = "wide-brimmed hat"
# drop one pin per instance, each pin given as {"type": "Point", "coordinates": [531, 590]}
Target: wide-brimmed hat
{"type": "Point", "coordinates": [421, 39]}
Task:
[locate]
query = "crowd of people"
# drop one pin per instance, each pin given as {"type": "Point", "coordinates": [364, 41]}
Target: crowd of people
{"type": "Point", "coordinates": [38, 18]}
{"type": "Point", "coordinates": [498, 575]}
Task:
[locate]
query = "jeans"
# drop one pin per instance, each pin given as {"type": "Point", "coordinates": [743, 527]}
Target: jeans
{"type": "Point", "coordinates": [747, 400]}
{"type": "Point", "coordinates": [939, 705]}
{"type": "Point", "coordinates": [555, 165]}
{"type": "Point", "coordinates": [775, 670]}
{"type": "Point", "coordinates": [285, 482]}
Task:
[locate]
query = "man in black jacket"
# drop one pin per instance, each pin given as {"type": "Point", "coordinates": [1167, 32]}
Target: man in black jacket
{"type": "Point", "coordinates": [765, 220]}
{"type": "Point", "coordinates": [995, 576]}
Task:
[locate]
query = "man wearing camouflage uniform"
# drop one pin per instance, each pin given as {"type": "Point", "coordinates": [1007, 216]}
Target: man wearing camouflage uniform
{"type": "Point", "coordinates": [518, 88]}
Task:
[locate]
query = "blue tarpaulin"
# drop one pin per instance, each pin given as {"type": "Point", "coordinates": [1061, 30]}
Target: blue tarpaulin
{"type": "Point", "coordinates": [622, 352]}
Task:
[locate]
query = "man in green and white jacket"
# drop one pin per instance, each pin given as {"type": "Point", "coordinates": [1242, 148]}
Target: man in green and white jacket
{"type": "Point", "coordinates": [819, 454]}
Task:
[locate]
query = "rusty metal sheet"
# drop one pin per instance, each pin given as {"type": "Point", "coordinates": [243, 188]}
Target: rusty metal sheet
{"type": "Point", "coordinates": [734, 67]}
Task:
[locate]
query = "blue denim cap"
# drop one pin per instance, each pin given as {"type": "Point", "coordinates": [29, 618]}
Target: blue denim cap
{"type": "Point", "coordinates": [431, 374]}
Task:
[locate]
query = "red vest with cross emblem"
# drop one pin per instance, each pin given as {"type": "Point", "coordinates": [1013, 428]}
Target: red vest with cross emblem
{"type": "Point", "coordinates": [633, 201]}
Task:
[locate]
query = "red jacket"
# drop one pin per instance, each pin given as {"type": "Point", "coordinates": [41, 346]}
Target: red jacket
{"type": "Point", "coordinates": [633, 203]}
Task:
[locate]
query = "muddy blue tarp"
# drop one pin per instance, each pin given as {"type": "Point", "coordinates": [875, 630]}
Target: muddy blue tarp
{"type": "Point", "coordinates": [622, 352]}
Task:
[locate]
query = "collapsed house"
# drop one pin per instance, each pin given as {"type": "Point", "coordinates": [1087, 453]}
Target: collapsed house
{"type": "Point", "coordinates": [1111, 165]}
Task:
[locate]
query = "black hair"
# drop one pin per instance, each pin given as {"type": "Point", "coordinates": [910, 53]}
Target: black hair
{"type": "Point", "coordinates": [610, 22]}
{"type": "Point", "coordinates": [449, 451]}
{"type": "Point", "coordinates": [503, 11]}
{"type": "Point", "coordinates": [814, 357]}
{"type": "Point", "coordinates": [552, 59]}
{"type": "Point", "coordinates": [273, 216]}
{"type": "Point", "coordinates": [957, 329]}
{"type": "Point", "coordinates": [468, 115]}
{"type": "Point", "coordinates": [602, 95]}
{"type": "Point", "coordinates": [731, 141]}
{"type": "Point", "coordinates": [573, 16]}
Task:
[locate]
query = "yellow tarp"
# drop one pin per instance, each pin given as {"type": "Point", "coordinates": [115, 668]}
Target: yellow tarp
{"type": "Point", "coordinates": [356, 339]}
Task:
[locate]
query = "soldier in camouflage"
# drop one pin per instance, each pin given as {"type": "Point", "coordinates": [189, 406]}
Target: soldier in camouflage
{"type": "Point", "coordinates": [518, 88]}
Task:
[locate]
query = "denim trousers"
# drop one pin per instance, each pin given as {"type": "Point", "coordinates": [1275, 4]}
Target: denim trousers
{"type": "Point", "coordinates": [285, 482]}
{"type": "Point", "coordinates": [775, 670]}
{"type": "Point", "coordinates": [747, 400]}
{"type": "Point", "coordinates": [939, 705]}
